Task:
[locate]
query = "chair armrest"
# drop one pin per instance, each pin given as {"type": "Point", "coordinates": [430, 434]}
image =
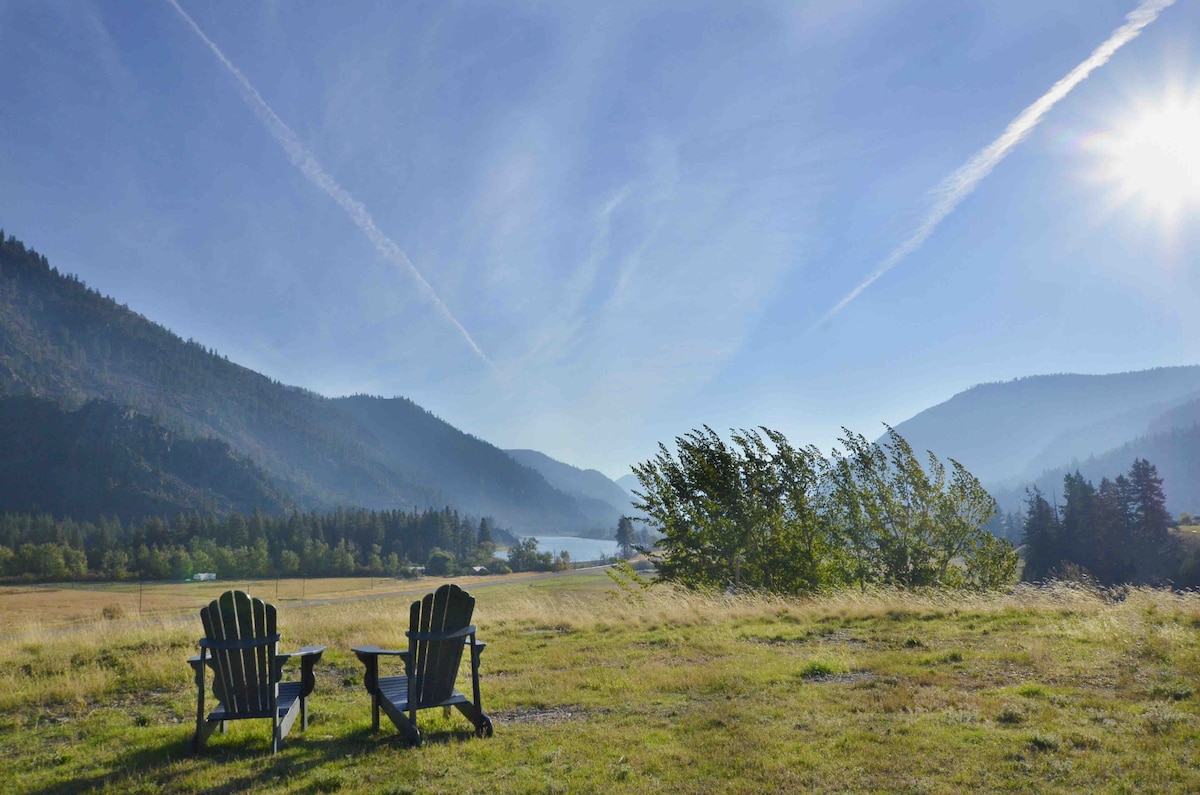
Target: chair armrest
{"type": "Point", "coordinates": [369, 657]}
{"type": "Point", "coordinates": [375, 651]}
{"type": "Point", "coordinates": [476, 648]}
{"type": "Point", "coordinates": [308, 656]}
{"type": "Point", "coordinates": [313, 652]}
{"type": "Point", "coordinates": [197, 665]}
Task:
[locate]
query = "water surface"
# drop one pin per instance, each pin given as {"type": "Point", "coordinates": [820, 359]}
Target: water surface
{"type": "Point", "coordinates": [580, 549]}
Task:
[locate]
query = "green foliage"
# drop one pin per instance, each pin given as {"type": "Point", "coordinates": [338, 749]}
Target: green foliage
{"type": "Point", "coordinates": [524, 556]}
{"type": "Point", "coordinates": [762, 514]}
{"type": "Point", "coordinates": [1118, 533]}
{"type": "Point", "coordinates": [909, 525]}
{"type": "Point", "coordinates": [631, 586]}
{"type": "Point", "coordinates": [342, 543]}
{"type": "Point", "coordinates": [440, 564]}
{"type": "Point", "coordinates": [625, 534]}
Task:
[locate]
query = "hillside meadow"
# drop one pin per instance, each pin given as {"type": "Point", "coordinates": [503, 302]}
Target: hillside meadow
{"type": "Point", "coordinates": [36, 607]}
{"type": "Point", "coordinates": [593, 688]}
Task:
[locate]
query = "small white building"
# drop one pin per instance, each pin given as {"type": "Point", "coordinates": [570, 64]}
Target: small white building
{"type": "Point", "coordinates": [204, 576]}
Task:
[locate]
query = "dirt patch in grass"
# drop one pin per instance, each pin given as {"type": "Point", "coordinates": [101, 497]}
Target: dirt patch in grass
{"type": "Point", "coordinates": [840, 679]}
{"type": "Point", "coordinates": [539, 716]}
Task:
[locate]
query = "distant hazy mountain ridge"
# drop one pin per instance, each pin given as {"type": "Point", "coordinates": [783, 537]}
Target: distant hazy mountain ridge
{"type": "Point", "coordinates": [603, 498]}
{"type": "Point", "coordinates": [472, 474]}
{"type": "Point", "coordinates": [1036, 429]}
{"type": "Point", "coordinates": [64, 342]}
{"type": "Point", "coordinates": [1174, 453]}
{"type": "Point", "coordinates": [628, 482]}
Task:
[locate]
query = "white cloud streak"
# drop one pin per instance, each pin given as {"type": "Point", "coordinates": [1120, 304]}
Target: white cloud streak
{"type": "Point", "coordinates": [307, 164]}
{"type": "Point", "coordinates": [959, 185]}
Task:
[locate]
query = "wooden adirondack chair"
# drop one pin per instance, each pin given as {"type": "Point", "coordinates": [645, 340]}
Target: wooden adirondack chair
{"type": "Point", "coordinates": [240, 646]}
{"type": "Point", "coordinates": [439, 629]}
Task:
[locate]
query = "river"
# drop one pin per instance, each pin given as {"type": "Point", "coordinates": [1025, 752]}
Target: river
{"type": "Point", "coordinates": [580, 549]}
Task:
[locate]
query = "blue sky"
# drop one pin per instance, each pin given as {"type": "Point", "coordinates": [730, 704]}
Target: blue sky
{"type": "Point", "coordinates": [639, 213]}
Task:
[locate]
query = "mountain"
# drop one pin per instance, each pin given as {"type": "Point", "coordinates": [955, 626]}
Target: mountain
{"type": "Point", "coordinates": [469, 473]}
{"type": "Point", "coordinates": [604, 500]}
{"type": "Point", "coordinates": [629, 482]}
{"type": "Point", "coordinates": [103, 460]}
{"type": "Point", "coordinates": [1010, 432]}
{"type": "Point", "coordinates": [1035, 430]}
{"type": "Point", "coordinates": [64, 342]}
{"type": "Point", "coordinates": [1185, 415]}
{"type": "Point", "coordinates": [1175, 453]}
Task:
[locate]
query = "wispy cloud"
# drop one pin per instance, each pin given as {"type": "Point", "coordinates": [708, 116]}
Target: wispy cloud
{"type": "Point", "coordinates": [307, 164]}
{"type": "Point", "coordinates": [963, 182]}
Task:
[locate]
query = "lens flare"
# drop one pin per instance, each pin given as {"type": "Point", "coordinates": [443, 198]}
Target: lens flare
{"type": "Point", "coordinates": [1151, 158]}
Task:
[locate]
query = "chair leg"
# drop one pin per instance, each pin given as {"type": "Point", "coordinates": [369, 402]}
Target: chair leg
{"type": "Point", "coordinates": [286, 721]}
{"type": "Point", "coordinates": [203, 729]}
{"type": "Point", "coordinates": [407, 726]}
{"type": "Point", "coordinates": [481, 722]}
{"type": "Point", "coordinates": [198, 738]}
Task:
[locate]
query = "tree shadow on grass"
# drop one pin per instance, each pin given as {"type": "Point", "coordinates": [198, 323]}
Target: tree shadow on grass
{"type": "Point", "coordinates": [170, 767]}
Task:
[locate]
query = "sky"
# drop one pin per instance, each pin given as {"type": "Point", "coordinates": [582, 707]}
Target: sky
{"type": "Point", "coordinates": [590, 228]}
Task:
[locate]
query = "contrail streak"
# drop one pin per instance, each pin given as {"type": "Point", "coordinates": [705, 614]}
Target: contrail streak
{"type": "Point", "coordinates": [963, 182]}
{"type": "Point", "coordinates": [303, 159]}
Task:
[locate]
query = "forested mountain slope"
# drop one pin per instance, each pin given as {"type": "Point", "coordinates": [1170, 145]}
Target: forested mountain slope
{"type": "Point", "coordinates": [1006, 433]}
{"type": "Point", "coordinates": [108, 461]}
{"type": "Point", "coordinates": [588, 486]}
{"type": "Point", "coordinates": [474, 475]}
{"type": "Point", "coordinates": [62, 341]}
{"type": "Point", "coordinates": [1175, 453]}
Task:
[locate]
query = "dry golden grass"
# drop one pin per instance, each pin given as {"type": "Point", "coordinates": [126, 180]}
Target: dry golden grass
{"type": "Point", "coordinates": [42, 606]}
{"type": "Point", "coordinates": [1055, 689]}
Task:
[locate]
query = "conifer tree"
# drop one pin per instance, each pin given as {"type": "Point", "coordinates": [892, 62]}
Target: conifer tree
{"type": "Point", "coordinates": [1041, 537]}
{"type": "Point", "coordinates": [625, 538]}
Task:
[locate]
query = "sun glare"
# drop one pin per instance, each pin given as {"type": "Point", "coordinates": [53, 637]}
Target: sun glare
{"type": "Point", "coordinates": [1152, 158]}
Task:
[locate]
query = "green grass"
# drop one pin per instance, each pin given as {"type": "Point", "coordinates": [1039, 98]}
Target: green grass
{"type": "Point", "coordinates": [1048, 690]}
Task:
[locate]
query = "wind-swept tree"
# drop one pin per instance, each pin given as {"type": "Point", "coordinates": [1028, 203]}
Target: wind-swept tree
{"type": "Point", "coordinates": [733, 515]}
{"type": "Point", "coordinates": [911, 525]}
{"type": "Point", "coordinates": [761, 513]}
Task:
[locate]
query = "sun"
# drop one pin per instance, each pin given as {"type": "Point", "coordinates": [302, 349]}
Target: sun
{"type": "Point", "coordinates": [1151, 158]}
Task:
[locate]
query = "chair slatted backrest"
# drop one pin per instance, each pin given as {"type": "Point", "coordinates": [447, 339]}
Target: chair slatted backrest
{"type": "Point", "coordinates": [243, 678]}
{"type": "Point", "coordinates": [435, 662]}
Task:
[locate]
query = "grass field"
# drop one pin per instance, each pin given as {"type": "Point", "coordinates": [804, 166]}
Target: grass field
{"type": "Point", "coordinates": [593, 690]}
{"type": "Point", "coordinates": [64, 604]}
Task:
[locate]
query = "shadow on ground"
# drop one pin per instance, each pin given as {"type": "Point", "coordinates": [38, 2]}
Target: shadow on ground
{"type": "Point", "coordinates": [168, 766]}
